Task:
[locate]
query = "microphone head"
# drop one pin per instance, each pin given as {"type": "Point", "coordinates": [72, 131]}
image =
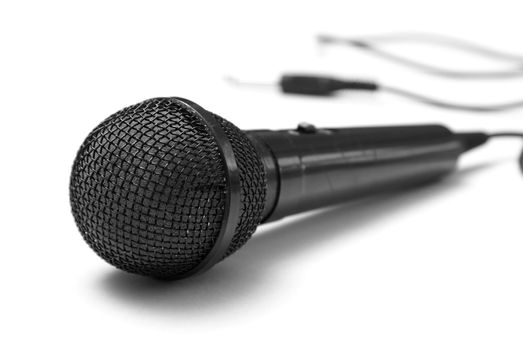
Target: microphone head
{"type": "Point", "coordinates": [167, 189]}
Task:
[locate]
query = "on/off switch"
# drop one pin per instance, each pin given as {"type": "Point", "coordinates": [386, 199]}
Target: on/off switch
{"type": "Point", "coordinates": [306, 128]}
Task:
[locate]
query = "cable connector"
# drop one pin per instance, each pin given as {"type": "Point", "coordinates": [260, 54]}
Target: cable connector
{"type": "Point", "coordinates": [321, 85]}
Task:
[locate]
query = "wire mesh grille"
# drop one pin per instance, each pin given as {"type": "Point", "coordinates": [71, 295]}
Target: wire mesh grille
{"type": "Point", "coordinates": [148, 188]}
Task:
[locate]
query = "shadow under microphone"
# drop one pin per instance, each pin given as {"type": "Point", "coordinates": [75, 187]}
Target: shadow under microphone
{"type": "Point", "coordinates": [165, 188]}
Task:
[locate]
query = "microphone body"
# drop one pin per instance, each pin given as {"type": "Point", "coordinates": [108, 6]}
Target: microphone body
{"type": "Point", "coordinates": [308, 168]}
{"type": "Point", "coordinates": [165, 188]}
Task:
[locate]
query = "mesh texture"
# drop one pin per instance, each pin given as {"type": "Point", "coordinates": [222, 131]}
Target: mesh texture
{"type": "Point", "coordinates": [148, 188]}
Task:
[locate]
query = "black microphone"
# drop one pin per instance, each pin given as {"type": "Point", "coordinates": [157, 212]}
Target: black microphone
{"type": "Point", "coordinates": [165, 188]}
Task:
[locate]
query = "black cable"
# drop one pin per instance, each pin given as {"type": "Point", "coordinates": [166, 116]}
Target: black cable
{"type": "Point", "coordinates": [325, 86]}
{"type": "Point", "coordinates": [369, 44]}
{"type": "Point", "coordinates": [471, 140]}
{"type": "Point", "coordinates": [506, 134]}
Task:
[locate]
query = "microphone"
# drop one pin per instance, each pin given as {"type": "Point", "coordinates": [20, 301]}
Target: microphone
{"type": "Point", "coordinates": [165, 188]}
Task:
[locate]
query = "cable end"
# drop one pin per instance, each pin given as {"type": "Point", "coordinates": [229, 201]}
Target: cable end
{"type": "Point", "coordinates": [321, 85]}
{"type": "Point", "coordinates": [472, 140]}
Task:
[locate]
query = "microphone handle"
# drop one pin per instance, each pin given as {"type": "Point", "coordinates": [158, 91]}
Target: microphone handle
{"type": "Point", "coordinates": [309, 168]}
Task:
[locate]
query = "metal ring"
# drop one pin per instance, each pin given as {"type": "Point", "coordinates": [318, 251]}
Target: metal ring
{"type": "Point", "coordinates": [233, 197]}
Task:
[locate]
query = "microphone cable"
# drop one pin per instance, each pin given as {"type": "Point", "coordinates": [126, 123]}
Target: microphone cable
{"type": "Point", "coordinates": [371, 45]}
{"type": "Point", "coordinates": [501, 107]}
{"type": "Point", "coordinates": [320, 85]}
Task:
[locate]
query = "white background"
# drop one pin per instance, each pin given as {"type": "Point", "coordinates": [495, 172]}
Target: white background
{"type": "Point", "coordinates": [436, 268]}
